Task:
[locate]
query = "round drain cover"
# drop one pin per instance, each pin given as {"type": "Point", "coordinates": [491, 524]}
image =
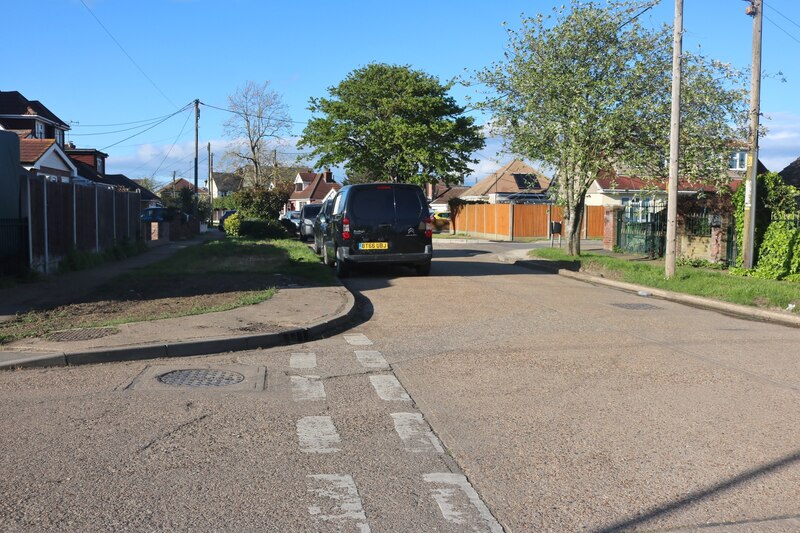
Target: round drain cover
{"type": "Point", "coordinates": [201, 378]}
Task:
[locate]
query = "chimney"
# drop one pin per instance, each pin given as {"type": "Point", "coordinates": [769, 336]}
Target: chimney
{"type": "Point", "coordinates": [328, 175]}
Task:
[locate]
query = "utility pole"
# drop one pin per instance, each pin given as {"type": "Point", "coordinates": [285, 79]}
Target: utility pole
{"type": "Point", "coordinates": [196, 136]}
{"type": "Point", "coordinates": [748, 245]}
{"type": "Point", "coordinates": [210, 173]}
{"type": "Point", "coordinates": [674, 141]}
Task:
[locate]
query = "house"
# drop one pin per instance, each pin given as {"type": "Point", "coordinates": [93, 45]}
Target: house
{"type": "Point", "coordinates": [47, 158]}
{"type": "Point", "coordinates": [312, 188]}
{"type": "Point", "coordinates": [515, 182]}
{"type": "Point", "coordinates": [225, 183]}
{"type": "Point", "coordinates": [30, 119]}
{"type": "Point", "coordinates": [439, 195]}
{"type": "Point", "coordinates": [791, 174]}
{"type": "Point", "coordinates": [611, 189]}
{"type": "Point", "coordinates": [121, 181]}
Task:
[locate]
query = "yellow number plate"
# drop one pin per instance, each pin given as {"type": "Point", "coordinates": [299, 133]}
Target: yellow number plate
{"type": "Point", "coordinates": [373, 246]}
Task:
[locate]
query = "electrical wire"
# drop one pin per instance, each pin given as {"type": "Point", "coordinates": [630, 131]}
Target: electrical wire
{"type": "Point", "coordinates": [792, 37]}
{"type": "Point", "coordinates": [127, 54]}
{"type": "Point", "coordinates": [185, 122]}
{"type": "Point", "coordinates": [781, 14]}
{"type": "Point", "coordinates": [115, 131]}
{"type": "Point", "coordinates": [187, 106]}
{"type": "Point", "coordinates": [247, 114]}
{"type": "Point", "coordinates": [119, 123]}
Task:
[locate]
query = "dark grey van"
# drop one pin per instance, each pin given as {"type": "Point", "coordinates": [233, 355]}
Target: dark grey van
{"type": "Point", "coordinates": [378, 223]}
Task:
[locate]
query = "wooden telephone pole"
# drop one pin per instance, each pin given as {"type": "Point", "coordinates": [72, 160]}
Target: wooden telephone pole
{"type": "Point", "coordinates": [755, 10]}
{"type": "Point", "coordinates": [674, 142]}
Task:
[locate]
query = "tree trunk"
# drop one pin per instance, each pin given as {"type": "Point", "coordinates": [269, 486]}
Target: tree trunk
{"type": "Point", "coordinates": [572, 221]}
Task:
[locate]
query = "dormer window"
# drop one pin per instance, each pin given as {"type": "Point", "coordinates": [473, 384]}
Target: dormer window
{"type": "Point", "coordinates": [60, 137]}
{"type": "Point", "coordinates": [738, 161]}
{"type": "Point", "coordinates": [39, 130]}
{"type": "Point", "coordinates": [101, 165]}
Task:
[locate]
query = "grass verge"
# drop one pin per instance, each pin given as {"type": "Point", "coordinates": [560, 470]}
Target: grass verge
{"type": "Point", "coordinates": [709, 283]}
{"type": "Point", "coordinates": [206, 278]}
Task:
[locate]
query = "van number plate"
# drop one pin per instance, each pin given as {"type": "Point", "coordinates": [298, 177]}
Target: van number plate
{"type": "Point", "coordinates": [373, 246]}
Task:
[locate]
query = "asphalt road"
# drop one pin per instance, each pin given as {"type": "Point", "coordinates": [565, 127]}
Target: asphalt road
{"type": "Point", "coordinates": [483, 397]}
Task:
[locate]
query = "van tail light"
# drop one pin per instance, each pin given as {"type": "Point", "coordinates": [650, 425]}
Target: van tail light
{"type": "Point", "coordinates": [428, 227]}
{"type": "Point", "coordinates": [346, 229]}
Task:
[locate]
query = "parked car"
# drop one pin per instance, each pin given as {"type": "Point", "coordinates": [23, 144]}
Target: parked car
{"type": "Point", "coordinates": [307, 215]}
{"type": "Point", "coordinates": [379, 223]}
{"type": "Point", "coordinates": [293, 217]}
{"type": "Point", "coordinates": [442, 215]}
{"type": "Point", "coordinates": [321, 223]}
{"type": "Point", "coordinates": [225, 215]}
{"type": "Point", "coordinates": [161, 214]}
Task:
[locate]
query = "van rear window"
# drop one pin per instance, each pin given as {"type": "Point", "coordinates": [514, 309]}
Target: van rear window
{"type": "Point", "coordinates": [373, 205]}
{"type": "Point", "coordinates": [408, 202]}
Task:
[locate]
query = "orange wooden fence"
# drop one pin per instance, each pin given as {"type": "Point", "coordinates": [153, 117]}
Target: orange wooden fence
{"type": "Point", "coordinates": [518, 221]}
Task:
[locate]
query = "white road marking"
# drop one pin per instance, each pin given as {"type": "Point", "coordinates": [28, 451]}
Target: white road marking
{"type": "Point", "coordinates": [357, 339]}
{"type": "Point", "coordinates": [307, 388]}
{"type": "Point", "coordinates": [458, 509]}
{"type": "Point", "coordinates": [303, 360]}
{"type": "Point", "coordinates": [415, 433]}
{"type": "Point", "coordinates": [337, 501]}
{"type": "Point", "coordinates": [388, 388]}
{"type": "Point", "coordinates": [372, 359]}
{"type": "Point", "coordinates": [317, 434]}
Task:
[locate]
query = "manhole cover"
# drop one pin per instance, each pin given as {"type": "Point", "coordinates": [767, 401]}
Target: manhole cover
{"type": "Point", "coordinates": [201, 378]}
{"type": "Point", "coordinates": [81, 334]}
{"type": "Point", "coordinates": [636, 307]}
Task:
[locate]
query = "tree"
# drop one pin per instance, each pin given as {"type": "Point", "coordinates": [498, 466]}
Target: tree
{"type": "Point", "coordinates": [589, 92]}
{"type": "Point", "coordinates": [392, 123]}
{"type": "Point", "coordinates": [259, 116]}
{"type": "Point", "coordinates": [148, 183]}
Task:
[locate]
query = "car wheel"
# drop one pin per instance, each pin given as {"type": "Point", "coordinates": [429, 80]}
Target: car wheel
{"type": "Point", "coordinates": [423, 269]}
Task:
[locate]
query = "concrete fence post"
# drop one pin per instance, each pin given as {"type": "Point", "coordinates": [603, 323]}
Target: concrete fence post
{"type": "Point", "coordinates": [74, 216]}
{"type": "Point", "coordinates": [46, 228]}
{"type": "Point", "coordinates": [96, 221]}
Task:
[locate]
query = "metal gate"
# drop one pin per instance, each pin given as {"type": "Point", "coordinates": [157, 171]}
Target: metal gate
{"type": "Point", "coordinates": [642, 228]}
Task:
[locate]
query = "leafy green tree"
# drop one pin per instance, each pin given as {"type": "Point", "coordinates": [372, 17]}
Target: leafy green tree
{"type": "Point", "coordinates": [587, 90]}
{"type": "Point", "coordinates": [262, 204]}
{"type": "Point", "coordinates": [392, 123]}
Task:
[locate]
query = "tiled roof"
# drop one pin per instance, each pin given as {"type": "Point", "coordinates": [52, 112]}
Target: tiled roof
{"type": "Point", "coordinates": [443, 194]}
{"type": "Point", "coordinates": [180, 183]}
{"type": "Point", "coordinates": [31, 150]}
{"type": "Point", "coordinates": [13, 103]}
{"type": "Point", "coordinates": [316, 190]}
{"type": "Point", "coordinates": [227, 181]}
{"type": "Point", "coordinates": [791, 174]}
{"type": "Point", "coordinates": [121, 180]}
{"type": "Point", "coordinates": [89, 172]}
{"type": "Point", "coordinates": [515, 177]}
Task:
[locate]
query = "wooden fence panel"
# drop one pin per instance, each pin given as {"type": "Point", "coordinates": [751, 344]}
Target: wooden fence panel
{"type": "Point", "coordinates": [530, 220]}
{"type": "Point", "coordinates": [59, 218]}
{"type": "Point", "coordinates": [595, 219]}
{"type": "Point", "coordinates": [87, 223]}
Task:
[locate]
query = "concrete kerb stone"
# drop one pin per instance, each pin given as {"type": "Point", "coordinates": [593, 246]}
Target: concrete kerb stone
{"type": "Point", "coordinates": [736, 310]}
{"type": "Point", "coordinates": [184, 349]}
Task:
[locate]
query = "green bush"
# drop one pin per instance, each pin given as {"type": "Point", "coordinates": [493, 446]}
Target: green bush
{"type": "Point", "coordinates": [261, 229]}
{"type": "Point", "coordinates": [775, 252]}
{"type": "Point", "coordinates": [233, 225]}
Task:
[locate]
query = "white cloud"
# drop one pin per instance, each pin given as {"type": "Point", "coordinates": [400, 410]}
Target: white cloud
{"type": "Point", "coordinates": [781, 145]}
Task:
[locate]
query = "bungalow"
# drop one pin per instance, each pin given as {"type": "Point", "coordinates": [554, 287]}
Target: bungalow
{"type": "Point", "coordinates": [515, 182]}
{"type": "Point", "coordinates": [47, 158]}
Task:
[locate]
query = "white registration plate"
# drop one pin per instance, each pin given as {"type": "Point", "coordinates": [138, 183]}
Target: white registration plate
{"type": "Point", "coordinates": [373, 246]}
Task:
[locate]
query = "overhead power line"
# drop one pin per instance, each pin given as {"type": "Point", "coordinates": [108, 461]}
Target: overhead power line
{"type": "Point", "coordinates": [792, 37]}
{"type": "Point", "coordinates": [127, 54]}
{"type": "Point", "coordinates": [188, 115]}
{"type": "Point", "coordinates": [184, 108]}
{"type": "Point", "coordinates": [119, 123]}
{"type": "Point", "coordinates": [250, 114]}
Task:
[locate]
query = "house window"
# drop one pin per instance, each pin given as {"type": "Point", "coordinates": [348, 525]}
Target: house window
{"type": "Point", "coordinates": [298, 187]}
{"type": "Point", "coordinates": [101, 166]}
{"type": "Point", "coordinates": [39, 130]}
{"type": "Point", "coordinates": [738, 161]}
{"type": "Point", "coordinates": [60, 137]}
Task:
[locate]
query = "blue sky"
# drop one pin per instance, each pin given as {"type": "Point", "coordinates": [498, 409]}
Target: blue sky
{"type": "Point", "coordinates": [58, 53]}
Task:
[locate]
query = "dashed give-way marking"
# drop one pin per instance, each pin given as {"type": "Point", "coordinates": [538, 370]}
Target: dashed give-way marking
{"type": "Point", "coordinates": [307, 388]}
{"type": "Point", "coordinates": [460, 504]}
{"type": "Point", "coordinates": [357, 339]}
{"type": "Point", "coordinates": [303, 360]}
{"type": "Point", "coordinates": [415, 433]}
{"type": "Point", "coordinates": [337, 501]}
{"type": "Point", "coordinates": [372, 359]}
{"type": "Point", "coordinates": [317, 434]}
{"type": "Point", "coordinates": [388, 388]}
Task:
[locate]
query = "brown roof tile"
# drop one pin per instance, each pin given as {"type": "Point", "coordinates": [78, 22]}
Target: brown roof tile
{"type": "Point", "coordinates": [510, 179]}
{"type": "Point", "coordinates": [31, 150]}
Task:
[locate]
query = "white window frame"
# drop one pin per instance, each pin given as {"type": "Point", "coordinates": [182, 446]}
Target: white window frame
{"type": "Point", "coordinates": [738, 160]}
{"type": "Point", "coordinates": [39, 130]}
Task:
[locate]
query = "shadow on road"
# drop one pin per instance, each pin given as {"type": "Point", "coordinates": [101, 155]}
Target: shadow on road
{"type": "Point", "coordinates": [699, 496]}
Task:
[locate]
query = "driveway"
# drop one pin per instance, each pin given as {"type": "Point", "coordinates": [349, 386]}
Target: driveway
{"type": "Point", "coordinates": [483, 397]}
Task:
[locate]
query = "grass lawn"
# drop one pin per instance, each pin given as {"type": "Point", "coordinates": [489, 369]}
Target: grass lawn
{"type": "Point", "coordinates": [214, 276]}
{"type": "Point", "coordinates": [710, 283]}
